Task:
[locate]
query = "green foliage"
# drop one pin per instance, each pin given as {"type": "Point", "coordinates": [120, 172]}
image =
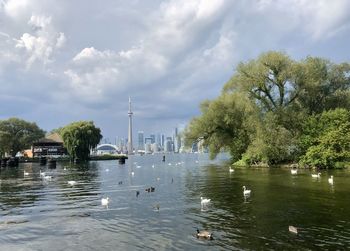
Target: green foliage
{"type": "Point", "coordinates": [262, 115]}
{"type": "Point", "coordinates": [17, 135]}
{"type": "Point", "coordinates": [80, 137]}
{"type": "Point", "coordinates": [326, 139]}
{"type": "Point", "coordinates": [224, 125]}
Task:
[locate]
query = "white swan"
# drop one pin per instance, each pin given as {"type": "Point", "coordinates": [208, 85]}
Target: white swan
{"type": "Point", "coordinates": [72, 182]}
{"type": "Point", "coordinates": [25, 173]}
{"type": "Point", "coordinates": [330, 180]}
{"type": "Point", "coordinates": [293, 229]}
{"type": "Point", "coordinates": [316, 175]}
{"type": "Point", "coordinates": [42, 174]}
{"type": "Point", "coordinates": [105, 201]}
{"type": "Point", "coordinates": [205, 201]}
{"type": "Point", "coordinates": [231, 170]}
{"type": "Point", "coordinates": [294, 171]}
{"type": "Point", "coordinates": [246, 192]}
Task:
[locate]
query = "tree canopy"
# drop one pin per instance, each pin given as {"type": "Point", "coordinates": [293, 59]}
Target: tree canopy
{"type": "Point", "coordinates": [262, 112]}
{"type": "Point", "coordinates": [17, 135]}
{"type": "Point", "coordinates": [80, 137]}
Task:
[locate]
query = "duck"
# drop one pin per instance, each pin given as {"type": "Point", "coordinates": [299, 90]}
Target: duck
{"type": "Point", "coordinates": [204, 234]}
{"type": "Point", "coordinates": [72, 182]}
{"type": "Point", "coordinates": [330, 180]}
{"type": "Point", "coordinates": [231, 170]}
{"type": "Point", "coordinates": [294, 171]}
{"type": "Point", "coordinates": [137, 193]}
{"type": "Point", "coordinates": [120, 183]}
{"type": "Point", "coordinates": [205, 201]}
{"type": "Point", "coordinates": [316, 175]}
{"type": "Point", "coordinates": [105, 201]}
{"type": "Point", "coordinates": [293, 229]}
{"type": "Point", "coordinates": [246, 192]}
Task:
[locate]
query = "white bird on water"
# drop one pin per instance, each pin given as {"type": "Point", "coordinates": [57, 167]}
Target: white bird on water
{"type": "Point", "coordinates": [330, 180]}
{"type": "Point", "coordinates": [294, 171]}
{"type": "Point", "coordinates": [25, 173]}
{"type": "Point", "coordinates": [231, 170]}
{"type": "Point", "coordinates": [246, 192]}
{"type": "Point", "coordinates": [205, 201]}
{"type": "Point", "coordinates": [42, 174]}
{"type": "Point", "coordinates": [105, 202]}
{"type": "Point", "coordinates": [293, 229]}
{"type": "Point", "coordinates": [132, 173]}
{"type": "Point", "coordinates": [316, 175]}
{"type": "Point", "coordinates": [72, 182]}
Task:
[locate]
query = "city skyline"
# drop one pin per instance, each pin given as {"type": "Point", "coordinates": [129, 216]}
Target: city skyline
{"type": "Point", "coordinates": [64, 61]}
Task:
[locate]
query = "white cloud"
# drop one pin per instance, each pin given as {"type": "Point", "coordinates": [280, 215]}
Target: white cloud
{"type": "Point", "coordinates": [16, 8]}
{"type": "Point", "coordinates": [40, 46]}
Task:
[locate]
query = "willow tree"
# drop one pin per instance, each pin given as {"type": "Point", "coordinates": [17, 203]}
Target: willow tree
{"type": "Point", "coordinates": [226, 124]}
{"type": "Point", "coordinates": [80, 137]}
{"type": "Point", "coordinates": [17, 135]}
{"type": "Point", "coordinates": [284, 93]}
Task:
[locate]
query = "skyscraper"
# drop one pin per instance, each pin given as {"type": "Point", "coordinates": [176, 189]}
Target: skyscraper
{"type": "Point", "coordinates": [141, 141]}
{"type": "Point", "coordinates": [130, 147]}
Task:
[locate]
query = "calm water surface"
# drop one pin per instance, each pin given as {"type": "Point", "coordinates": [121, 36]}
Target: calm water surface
{"type": "Point", "coordinates": [52, 215]}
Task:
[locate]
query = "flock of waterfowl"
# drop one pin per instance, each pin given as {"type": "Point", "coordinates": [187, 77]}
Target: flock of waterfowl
{"type": "Point", "coordinates": [204, 201]}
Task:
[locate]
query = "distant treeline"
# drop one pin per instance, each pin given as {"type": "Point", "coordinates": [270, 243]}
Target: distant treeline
{"type": "Point", "coordinates": [79, 137]}
{"type": "Point", "coordinates": [278, 110]}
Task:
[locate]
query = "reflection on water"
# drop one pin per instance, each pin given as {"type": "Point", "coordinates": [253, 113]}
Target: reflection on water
{"type": "Point", "coordinates": [39, 214]}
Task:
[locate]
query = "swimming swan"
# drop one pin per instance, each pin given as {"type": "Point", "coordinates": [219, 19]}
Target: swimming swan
{"type": "Point", "coordinates": [246, 192]}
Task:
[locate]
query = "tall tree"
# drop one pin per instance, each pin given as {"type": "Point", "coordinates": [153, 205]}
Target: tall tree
{"type": "Point", "coordinates": [284, 93]}
{"type": "Point", "coordinates": [80, 137]}
{"type": "Point", "coordinates": [17, 135]}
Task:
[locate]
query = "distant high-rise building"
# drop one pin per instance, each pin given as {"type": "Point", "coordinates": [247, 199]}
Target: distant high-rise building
{"type": "Point", "coordinates": [141, 141]}
{"type": "Point", "coordinates": [153, 137]}
{"type": "Point", "coordinates": [130, 147]}
{"type": "Point", "coordinates": [159, 139]}
{"type": "Point", "coordinates": [168, 147]}
{"type": "Point", "coordinates": [162, 140]}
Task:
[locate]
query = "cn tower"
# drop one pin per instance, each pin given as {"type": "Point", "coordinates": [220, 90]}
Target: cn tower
{"type": "Point", "coordinates": [130, 147]}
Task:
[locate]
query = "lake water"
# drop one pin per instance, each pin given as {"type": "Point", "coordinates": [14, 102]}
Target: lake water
{"type": "Point", "coordinates": [52, 215]}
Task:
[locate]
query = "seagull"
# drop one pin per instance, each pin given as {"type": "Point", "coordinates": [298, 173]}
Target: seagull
{"type": "Point", "coordinates": [204, 234]}
{"type": "Point", "coordinates": [132, 173]}
{"type": "Point", "coordinates": [293, 230]}
{"type": "Point", "coordinates": [138, 166]}
{"type": "Point", "coordinates": [294, 171]}
{"type": "Point", "coordinates": [105, 201]}
{"type": "Point", "coordinates": [316, 175]}
{"type": "Point", "coordinates": [107, 170]}
{"type": "Point", "coordinates": [156, 206]}
{"type": "Point", "coordinates": [158, 179]}
{"type": "Point", "coordinates": [231, 170]}
{"type": "Point", "coordinates": [152, 166]}
{"type": "Point", "coordinates": [246, 192]}
{"type": "Point", "coordinates": [197, 161]}
{"type": "Point", "coordinates": [72, 182]}
{"type": "Point", "coordinates": [330, 180]}
{"type": "Point", "coordinates": [205, 201]}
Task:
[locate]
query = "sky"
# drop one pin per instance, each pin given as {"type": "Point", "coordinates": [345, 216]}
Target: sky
{"type": "Point", "coordinates": [64, 61]}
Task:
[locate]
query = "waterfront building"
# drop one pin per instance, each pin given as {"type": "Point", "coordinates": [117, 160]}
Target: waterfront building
{"type": "Point", "coordinates": [51, 145]}
{"type": "Point", "coordinates": [153, 137]}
